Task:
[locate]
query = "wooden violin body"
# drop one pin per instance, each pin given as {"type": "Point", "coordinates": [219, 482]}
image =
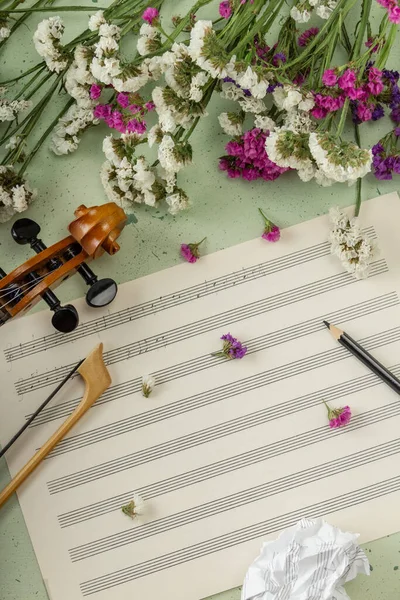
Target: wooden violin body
{"type": "Point", "coordinates": [93, 232]}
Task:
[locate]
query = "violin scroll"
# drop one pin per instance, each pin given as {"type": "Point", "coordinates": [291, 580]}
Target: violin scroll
{"type": "Point", "coordinates": [97, 228]}
{"type": "Point", "coordinates": [93, 232]}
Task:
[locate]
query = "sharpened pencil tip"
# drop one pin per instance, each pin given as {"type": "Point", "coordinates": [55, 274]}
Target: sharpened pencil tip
{"type": "Point", "coordinates": [326, 324]}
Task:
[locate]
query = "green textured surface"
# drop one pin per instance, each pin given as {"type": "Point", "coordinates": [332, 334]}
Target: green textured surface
{"type": "Point", "coordinates": [223, 210]}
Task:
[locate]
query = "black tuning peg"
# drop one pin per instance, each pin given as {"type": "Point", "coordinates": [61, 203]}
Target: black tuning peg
{"type": "Point", "coordinates": [65, 318]}
{"type": "Point", "coordinates": [25, 231]}
{"type": "Point", "coordinates": [101, 291]}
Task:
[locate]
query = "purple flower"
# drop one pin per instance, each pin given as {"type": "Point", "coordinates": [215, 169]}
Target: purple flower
{"type": "Point", "coordinates": [329, 78]}
{"type": "Point", "coordinates": [278, 58]}
{"type": "Point", "coordinates": [123, 99]}
{"type": "Point", "coordinates": [395, 114]}
{"type": "Point", "coordinates": [150, 15]}
{"type": "Point", "coordinates": [225, 9]}
{"type": "Point", "coordinates": [231, 348]}
{"type": "Point", "coordinates": [378, 112]}
{"type": "Point", "coordinates": [308, 35]}
{"type": "Point", "coordinates": [95, 91]}
{"type": "Point", "coordinates": [396, 131]}
{"type": "Point", "coordinates": [338, 417]}
{"type": "Point", "coordinates": [391, 76]}
{"type": "Point", "coordinates": [190, 252]}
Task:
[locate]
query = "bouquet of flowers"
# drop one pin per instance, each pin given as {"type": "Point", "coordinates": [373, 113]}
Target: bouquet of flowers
{"type": "Point", "coordinates": [291, 103]}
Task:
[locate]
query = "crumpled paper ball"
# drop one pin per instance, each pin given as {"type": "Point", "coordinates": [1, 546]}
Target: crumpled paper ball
{"type": "Point", "coordinates": [310, 561]}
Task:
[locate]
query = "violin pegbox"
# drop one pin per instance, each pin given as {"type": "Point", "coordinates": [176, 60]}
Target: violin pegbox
{"type": "Point", "coordinates": [93, 232]}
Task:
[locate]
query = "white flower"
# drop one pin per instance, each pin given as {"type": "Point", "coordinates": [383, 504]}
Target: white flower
{"type": "Point", "coordinates": [287, 97]}
{"type": "Point", "coordinates": [300, 16]}
{"type": "Point", "coordinates": [339, 162]}
{"type": "Point", "coordinates": [96, 20]}
{"type": "Point", "coordinates": [4, 33]}
{"type": "Point", "coordinates": [275, 146]}
{"type": "Point", "coordinates": [197, 34]}
{"type": "Point", "coordinates": [230, 91]}
{"type": "Point", "coordinates": [47, 43]}
{"type": "Point", "coordinates": [9, 109]}
{"type": "Point", "coordinates": [324, 9]}
{"type": "Point", "coordinates": [230, 127]}
{"type": "Point", "coordinates": [298, 122]}
{"type": "Point", "coordinates": [196, 92]}
{"type": "Point", "coordinates": [15, 193]}
{"type": "Point", "coordinates": [165, 116]}
{"type": "Point", "coordinates": [148, 383]}
{"type": "Point", "coordinates": [253, 105]}
{"type": "Point", "coordinates": [69, 129]}
{"type": "Point", "coordinates": [135, 507]}
{"type": "Point", "coordinates": [132, 84]}
{"type": "Point", "coordinates": [264, 123]}
{"type": "Point", "coordinates": [177, 201]}
{"type": "Point", "coordinates": [350, 245]}
{"type": "Point", "coordinates": [78, 79]}
{"type": "Point", "coordinates": [153, 135]}
{"type": "Point", "coordinates": [110, 154]}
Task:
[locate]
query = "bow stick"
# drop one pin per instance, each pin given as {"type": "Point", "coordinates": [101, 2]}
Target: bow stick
{"type": "Point", "coordinates": [97, 379]}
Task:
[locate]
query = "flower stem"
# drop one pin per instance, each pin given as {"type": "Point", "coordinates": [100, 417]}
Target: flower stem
{"type": "Point", "coordinates": [358, 197]}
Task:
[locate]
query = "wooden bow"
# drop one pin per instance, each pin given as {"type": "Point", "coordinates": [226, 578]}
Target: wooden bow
{"type": "Point", "coordinates": [97, 379]}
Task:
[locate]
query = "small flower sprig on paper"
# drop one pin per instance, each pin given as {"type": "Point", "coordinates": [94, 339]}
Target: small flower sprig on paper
{"type": "Point", "coordinates": [135, 507]}
{"type": "Point", "coordinates": [355, 250]}
{"type": "Point", "coordinates": [271, 233]}
{"type": "Point", "coordinates": [231, 348]}
{"type": "Point", "coordinates": [338, 417]}
{"type": "Point", "coordinates": [190, 252]}
{"type": "Point", "coordinates": [148, 383]}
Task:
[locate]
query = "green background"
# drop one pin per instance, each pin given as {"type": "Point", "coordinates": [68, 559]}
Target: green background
{"type": "Point", "coordinates": [223, 210]}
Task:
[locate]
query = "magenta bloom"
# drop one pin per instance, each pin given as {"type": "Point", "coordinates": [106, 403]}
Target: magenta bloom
{"type": "Point", "coordinates": [247, 158]}
{"type": "Point", "coordinates": [225, 9]}
{"type": "Point", "coordinates": [102, 111]}
{"type": "Point", "coordinates": [190, 252]}
{"type": "Point", "coordinates": [347, 80]}
{"type": "Point", "coordinates": [150, 106]}
{"type": "Point", "coordinates": [95, 91]}
{"type": "Point", "coordinates": [231, 348]}
{"type": "Point", "coordinates": [150, 15]}
{"type": "Point", "coordinates": [271, 233]}
{"type": "Point", "coordinates": [329, 78]}
{"type": "Point", "coordinates": [123, 99]}
{"type": "Point", "coordinates": [338, 417]}
{"type": "Point", "coordinates": [308, 35]}
{"type": "Point", "coordinates": [318, 112]}
{"type": "Point", "coordinates": [364, 112]}
{"type": "Point", "coordinates": [393, 10]}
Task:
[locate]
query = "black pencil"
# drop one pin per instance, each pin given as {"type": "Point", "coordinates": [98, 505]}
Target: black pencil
{"type": "Point", "coordinates": [365, 357]}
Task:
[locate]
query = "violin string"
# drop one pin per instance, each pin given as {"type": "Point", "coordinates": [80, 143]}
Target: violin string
{"type": "Point", "coordinates": [12, 290]}
{"type": "Point", "coordinates": [33, 284]}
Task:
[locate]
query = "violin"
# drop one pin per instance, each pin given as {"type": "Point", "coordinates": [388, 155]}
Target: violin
{"type": "Point", "coordinates": [93, 232]}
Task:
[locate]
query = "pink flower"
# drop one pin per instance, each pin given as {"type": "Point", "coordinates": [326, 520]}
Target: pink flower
{"type": "Point", "coordinates": [135, 126]}
{"type": "Point", "coordinates": [225, 9]}
{"type": "Point", "coordinates": [150, 15]}
{"type": "Point", "coordinates": [308, 35]}
{"type": "Point", "coordinates": [123, 99]}
{"type": "Point", "coordinates": [271, 233]}
{"type": "Point", "coordinates": [318, 112]}
{"type": "Point", "coordinates": [329, 78]}
{"type": "Point", "coordinates": [356, 93]}
{"type": "Point", "coordinates": [369, 43]}
{"type": "Point", "coordinates": [95, 91]}
{"type": "Point", "coordinates": [347, 80]}
{"type": "Point", "coordinates": [394, 14]}
{"type": "Point", "coordinates": [150, 106]}
{"type": "Point", "coordinates": [338, 417]}
{"type": "Point", "coordinates": [364, 113]}
{"type": "Point", "coordinates": [190, 252]}
{"type": "Point", "coordinates": [102, 111]}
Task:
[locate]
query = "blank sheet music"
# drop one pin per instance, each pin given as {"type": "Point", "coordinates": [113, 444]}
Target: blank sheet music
{"type": "Point", "coordinates": [226, 454]}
